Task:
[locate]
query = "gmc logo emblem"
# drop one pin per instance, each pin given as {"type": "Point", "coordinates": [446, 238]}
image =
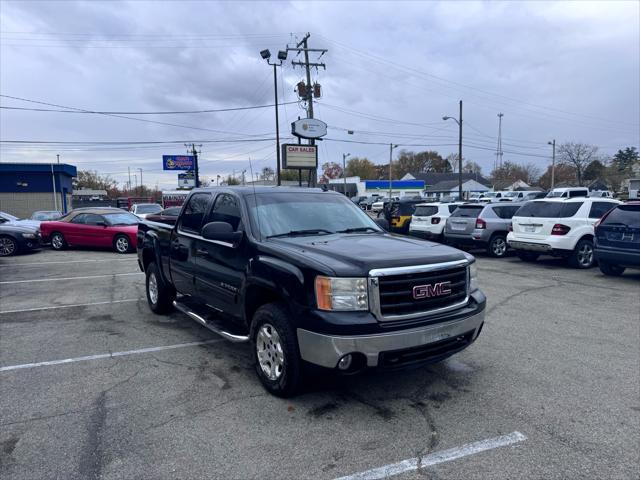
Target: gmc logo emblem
{"type": "Point", "coordinates": [428, 291]}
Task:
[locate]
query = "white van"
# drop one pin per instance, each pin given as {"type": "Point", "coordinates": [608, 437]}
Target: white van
{"type": "Point", "coordinates": [568, 192]}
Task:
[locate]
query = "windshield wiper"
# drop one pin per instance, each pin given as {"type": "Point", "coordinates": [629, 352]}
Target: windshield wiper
{"type": "Point", "coordinates": [295, 233]}
{"type": "Point", "coordinates": [357, 229]}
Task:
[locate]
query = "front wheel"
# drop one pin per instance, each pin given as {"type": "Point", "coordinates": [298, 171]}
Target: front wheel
{"type": "Point", "coordinates": [8, 246]}
{"type": "Point", "coordinates": [275, 350]}
{"type": "Point", "coordinates": [611, 269]}
{"type": "Point", "coordinates": [121, 244]}
{"type": "Point", "coordinates": [582, 256]}
{"type": "Point", "coordinates": [159, 296]}
{"type": "Point", "coordinates": [497, 246]}
{"type": "Point", "coordinates": [58, 242]}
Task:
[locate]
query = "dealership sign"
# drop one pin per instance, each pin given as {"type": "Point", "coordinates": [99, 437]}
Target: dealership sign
{"type": "Point", "coordinates": [186, 180]}
{"type": "Point", "coordinates": [178, 162]}
{"type": "Point", "coordinates": [299, 156]}
{"type": "Point", "coordinates": [309, 128]}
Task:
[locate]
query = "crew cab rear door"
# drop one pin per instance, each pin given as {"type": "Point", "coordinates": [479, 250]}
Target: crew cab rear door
{"type": "Point", "coordinates": [182, 263]}
{"type": "Point", "coordinates": [220, 266]}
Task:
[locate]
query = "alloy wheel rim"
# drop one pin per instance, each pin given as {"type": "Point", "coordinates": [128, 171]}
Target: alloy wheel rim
{"type": "Point", "coordinates": [153, 288]}
{"type": "Point", "coordinates": [270, 353]}
{"type": "Point", "coordinates": [56, 241]}
{"type": "Point", "coordinates": [122, 244]}
{"type": "Point", "coordinates": [7, 247]}
{"type": "Point", "coordinates": [499, 247]}
{"type": "Point", "coordinates": [585, 255]}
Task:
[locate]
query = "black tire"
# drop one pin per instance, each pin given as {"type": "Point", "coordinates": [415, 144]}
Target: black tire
{"type": "Point", "coordinates": [611, 269]}
{"type": "Point", "coordinates": [497, 246]}
{"type": "Point", "coordinates": [8, 246]}
{"type": "Point", "coordinates": [582, 256]}
{"type": "Point", "coordinates": [527, 256]}
{"type": "Point", "coordinates": [162, 301]}
{"type": "Point", "coordinates": [282, 354]}
{"type": "Point", "coordinates": [57, 241]}
{"type": "Point", "coordinates": [122, 243]}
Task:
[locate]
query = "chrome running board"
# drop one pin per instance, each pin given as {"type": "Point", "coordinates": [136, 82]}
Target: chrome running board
{"type": "Point", "coordinates": [232, 337]}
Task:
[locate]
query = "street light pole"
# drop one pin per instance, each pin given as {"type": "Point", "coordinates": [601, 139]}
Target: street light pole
{"type": "Point", "coordinates": [344, 171]}
{"type": "Point", "coordinates": [553, 163]}
{"type": "Point", "coordinates": [282, 55]}
{"type": "Point", "coordinates": [459, 122]}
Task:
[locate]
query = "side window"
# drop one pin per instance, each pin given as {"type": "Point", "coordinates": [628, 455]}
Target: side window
{"type": "Point", "coordinates": [92, 219]}
{"type": "Point", "coordinates": [499, 211]}
{"type": "Point", "coordinates": [598, 209]}
{"type": "Point", "coordinates": [578, 193]}
{"type": "Point", "coordinates": [452, 208]}
{"type": "Point", "coordinates": [80, 219]}
{"type": "Point", "coordinates": [505, 212]}
{"type": "Point", "coordinates": [225, 210]}
{"type": "Point", "coordinates": [191, 219]}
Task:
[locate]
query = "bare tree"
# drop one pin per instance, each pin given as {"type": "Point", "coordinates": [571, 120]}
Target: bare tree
{"type": "Point", "coordinates": [579, 155]}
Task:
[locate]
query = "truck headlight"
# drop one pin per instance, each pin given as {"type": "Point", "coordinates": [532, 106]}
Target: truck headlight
{"type": "Point", "coordinates": [32, 236]}
{"type": "Point", "coordinates": [344, 294]}
{"type": "Point", "coordinates": [473, 277]}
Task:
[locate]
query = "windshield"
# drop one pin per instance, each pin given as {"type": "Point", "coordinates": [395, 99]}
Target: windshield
{"type": "Point", "coordinates": [555, 194]}
{"type": "Point", "coordinates": [282, 213]}
{"type": "Point", "coordinates": [511, 194]}
{"type": "Point", "coordinates": [626, 215]}
{"type": "Point", "coordinates": [44, 216]}
{"type": "Point", "coordinates": [121, 219]}
{"type": "Point", "coordinates": [491, 194]}
{"type": "Point", "coordinates": [151, 208]}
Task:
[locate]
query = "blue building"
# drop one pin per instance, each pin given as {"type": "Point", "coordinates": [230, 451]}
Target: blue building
{"type": "Point", "coordinates": [28, 187]}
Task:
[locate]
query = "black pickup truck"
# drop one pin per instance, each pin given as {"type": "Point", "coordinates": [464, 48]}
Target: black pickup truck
{"type": "Point", "coordinates": [306, 277]}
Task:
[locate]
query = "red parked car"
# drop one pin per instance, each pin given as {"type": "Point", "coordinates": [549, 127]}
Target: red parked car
{"type": "Point", "coordinates": [93, 227]}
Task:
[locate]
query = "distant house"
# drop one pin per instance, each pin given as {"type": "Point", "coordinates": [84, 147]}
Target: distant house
{"type": "Point", "coordinates": [450, 187]}
{"type": "Point", "coordinates": [433, 178]}
{"type": "Point", "coordinates": [511, 185]}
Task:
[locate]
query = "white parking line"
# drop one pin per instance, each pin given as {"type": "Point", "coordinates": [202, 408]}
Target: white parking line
{"type": "Point", "coordinates": [438, 457]}
{"type": "Point", "coordinates": [65, 262]}
{"type": "Point", "coordinates": [57, 279]}
{"type": "Point", "coordinates": [71, 306]}
{"type": "Point", "coordinates": [107, 355]}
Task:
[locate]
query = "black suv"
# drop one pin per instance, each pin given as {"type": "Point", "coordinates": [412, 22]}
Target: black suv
{"type": "Point", "coordinates": [617, 240]}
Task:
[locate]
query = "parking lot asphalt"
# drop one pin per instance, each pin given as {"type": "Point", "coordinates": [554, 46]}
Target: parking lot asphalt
{"type": "Point", "coordinates": [558, 361]}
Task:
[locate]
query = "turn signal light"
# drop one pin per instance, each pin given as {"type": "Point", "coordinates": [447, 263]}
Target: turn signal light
{"type": "Point", "coordinates": [559, 229]}
{"type": "Point", "coordinates": [480, 223]}
{"type": "Point", "coordinates": [435, 220]}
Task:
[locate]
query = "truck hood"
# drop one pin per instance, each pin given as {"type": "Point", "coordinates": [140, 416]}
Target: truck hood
{"type": "Point", "coordinates": [356, 254]}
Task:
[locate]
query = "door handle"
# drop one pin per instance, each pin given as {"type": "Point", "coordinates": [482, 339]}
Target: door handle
{"type": "Point", "coordinates": [202, 251]}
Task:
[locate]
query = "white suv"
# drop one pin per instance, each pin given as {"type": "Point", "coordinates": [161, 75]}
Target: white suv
{"type": "Point", "coordinates": [429, 219]}
{"type": "Point", "coordinates": [559, 227]}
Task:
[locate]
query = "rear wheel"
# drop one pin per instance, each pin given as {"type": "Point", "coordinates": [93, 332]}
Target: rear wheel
{"type": "Point", "coordinates": [122, 244]}
{"type": "Point", "coordinates": [611, 269]}
{"type": "Point", "coordinates": [582, 256]}
{"type": "Point", "coordinates": [497, 246]}
{"type": "Point", "coordinates": [527, 256]}
{"type": "Point", "coordinates": [8, 246]}
{"type": "Point", "coordinates": [275, 350]}
{"type": "Point", "coordinates": [159, 296]}
{"type": "Point", "coordinates": [58, 242]}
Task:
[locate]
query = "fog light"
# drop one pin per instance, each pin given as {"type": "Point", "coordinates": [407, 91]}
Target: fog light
{"type": "Point", "coordinates": [345, 362]}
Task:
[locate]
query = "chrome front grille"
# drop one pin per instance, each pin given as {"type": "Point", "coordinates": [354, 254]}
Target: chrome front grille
{"type": "Point", "coordinates": [442, 287]}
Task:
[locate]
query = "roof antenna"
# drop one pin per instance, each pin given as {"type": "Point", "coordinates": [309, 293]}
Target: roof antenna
{"type": "Point", "coordinates": [255, 198]}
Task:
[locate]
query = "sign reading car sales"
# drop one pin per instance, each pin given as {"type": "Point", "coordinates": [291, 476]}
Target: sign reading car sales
{"type": "Point", "coordinates": [299, 156]}
{"type": "Point", "coordinates": [309, 128]}
{"type": "Point", "coordinates": [177, 162]}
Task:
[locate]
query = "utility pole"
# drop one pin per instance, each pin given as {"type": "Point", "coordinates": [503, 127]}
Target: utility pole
{"type": "Point", "coordinates": [391, 147]}
{"type": "Point", "coordinates": [553, 163]}
{"type": "Point", "coordinates": [282, 56]}
{"type": "Point", "coordinates": [303, 46]}
{"type": "Point", "coordinates": [141, 184]}
{"type": "Point", "coordinates": [55, 195]}
{"type": "Point", "coordinates": [58, 156]}
{"type": "Point", "coordinates": [499, 148]}
{"type": "Point", "coordinates": [460, 155]}
{"type": "Point", "coordinates": [129, 189]}
{"type": "Point", "coordinates": [194, 152]}
{"type": "Point", "coordinates": [344, 171]}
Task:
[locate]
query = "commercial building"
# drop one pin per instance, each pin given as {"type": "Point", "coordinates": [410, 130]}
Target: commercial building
{"type": "Point", "coordinates": [28, 187]}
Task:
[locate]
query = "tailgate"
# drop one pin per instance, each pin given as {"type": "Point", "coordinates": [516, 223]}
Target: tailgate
{"type": "Point", "coordinates": [532, 227]}
{"type": "Point", "coordinates": [461, 224]}
{"type": "Point", "coordinates": [618, 236]}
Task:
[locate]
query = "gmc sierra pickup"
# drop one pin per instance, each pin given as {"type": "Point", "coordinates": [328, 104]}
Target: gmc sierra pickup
{"type": "Point", "coordinates": [306, 277]}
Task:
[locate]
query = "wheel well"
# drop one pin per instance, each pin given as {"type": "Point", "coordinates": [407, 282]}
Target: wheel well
{"type": "Point", "coordinates": [255, 297]}
{"type": "Point", "coordinates": [147, 257]}
{"type": "Point", "coordinates": [585, 237]}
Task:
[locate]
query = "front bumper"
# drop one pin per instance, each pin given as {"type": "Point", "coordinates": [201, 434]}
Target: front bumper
{"type": "Point", "coordinates": [326, 350]}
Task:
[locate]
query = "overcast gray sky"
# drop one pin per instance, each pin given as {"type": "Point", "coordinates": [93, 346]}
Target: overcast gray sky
{"type": "Point", "coordinates": [563, 70]}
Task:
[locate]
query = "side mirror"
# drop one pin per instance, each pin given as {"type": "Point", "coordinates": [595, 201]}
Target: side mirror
{"type": "Point", "coordinates": [221, 232]}
{"type": "Point", "coordinates": [383, 223]}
